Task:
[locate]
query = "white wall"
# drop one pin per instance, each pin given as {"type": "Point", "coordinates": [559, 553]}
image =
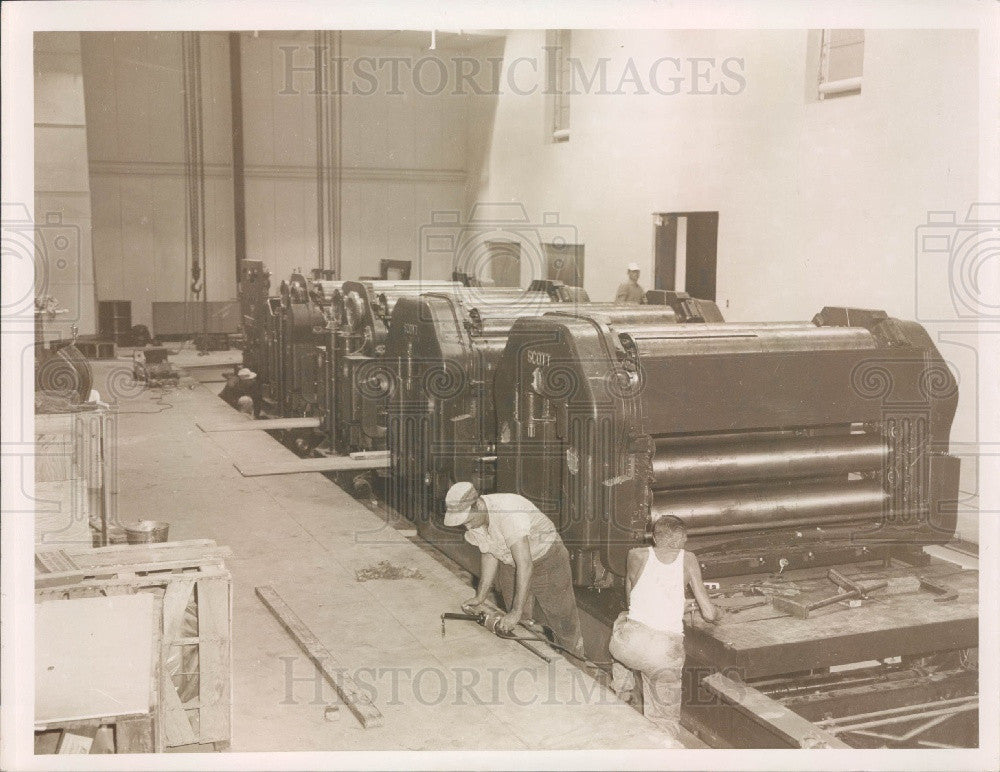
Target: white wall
{"type": "Point", "coordinates": [818, 201]}
{"type": "Point", "coordinates": [135, 132]}
{"type": "Point", "coordinates": [819, 197]}
{"type": "Point", "coordinates": [403, 157]}
{"type": "Point", "coordinates": [64, 257]}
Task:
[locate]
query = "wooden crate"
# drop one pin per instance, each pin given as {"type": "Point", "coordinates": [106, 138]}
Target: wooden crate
{"type": "Point", "coordinates": [195, 587]}
{"type": "Point", "coordinates": [74, 455]}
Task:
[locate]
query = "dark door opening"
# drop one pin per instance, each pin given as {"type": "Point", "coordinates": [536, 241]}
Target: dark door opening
{"type": "Point", "coordinates": [504, 264]}
{"type": "Point", "coordinates": [565, 263]}
{"type": "Point", "coordinates": [685, 251]}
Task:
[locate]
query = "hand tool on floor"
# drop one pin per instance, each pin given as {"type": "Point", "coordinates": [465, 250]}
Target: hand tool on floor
{"type": "Point", "coordinates": [489, 620]}
{"type": "Point", "coordinates": [943, 592]}
{"type": "Point", "coordinates": [850, 590]}
{"type": "Point", "coordinates": [740, 609]}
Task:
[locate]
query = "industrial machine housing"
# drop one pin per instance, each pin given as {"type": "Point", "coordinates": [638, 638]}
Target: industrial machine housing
{"type": "Point", "coordinates": [783, 447]}
{"type": "Point", "coordinates": [442, 352]}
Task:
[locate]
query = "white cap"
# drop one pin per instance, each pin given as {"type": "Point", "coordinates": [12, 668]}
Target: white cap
{"type": "Point", "coordinates": [246, 374]}
{"type": "Point", "coordinates": [458, 503]}
{"type": "Point", "coordinates": [633, 267]}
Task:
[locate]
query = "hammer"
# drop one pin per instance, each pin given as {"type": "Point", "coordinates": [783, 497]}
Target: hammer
{"type": "Point", "coordinates": [943, 592]}
{"type": "Point", "coordinates": [853, 590]}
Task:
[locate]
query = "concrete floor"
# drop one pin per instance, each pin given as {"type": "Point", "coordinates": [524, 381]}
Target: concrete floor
{"type": "Point", "coordinates": [307, 538]}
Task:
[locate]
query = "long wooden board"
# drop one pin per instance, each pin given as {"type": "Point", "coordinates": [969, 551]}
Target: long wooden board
{"type": "Point", "coordinates": [357, 701]}
{"type": "Point", "coordinates": [778, 719]}
{"type": "Point", "coordinates": [327, 464]}
{"type": "Point", "coordinates": [263, 424]}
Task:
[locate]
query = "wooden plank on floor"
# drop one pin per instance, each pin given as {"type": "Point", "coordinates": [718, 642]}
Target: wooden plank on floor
{"type": "Point", "coordinates": [263, 424]}
{"type": "Point", "coordinates": [369, 454]}
{"type": "Point", "coordinates": [357, 701]}
{"type": "Point", "coordinates": [790, 727]}
{"type": "Point", "coordinates": [296, 466]}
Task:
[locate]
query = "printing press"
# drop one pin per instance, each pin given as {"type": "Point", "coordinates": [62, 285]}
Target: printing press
{"type": "Point", "coordinates": [796, 454]}
{"type": "Point", "coordinates": [442, 351]}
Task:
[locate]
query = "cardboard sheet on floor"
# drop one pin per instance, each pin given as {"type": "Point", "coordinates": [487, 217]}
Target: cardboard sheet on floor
{"type": "Point", "coordinates": [93, 657]}
{"type": "Point", "coordinates": [299, 465]}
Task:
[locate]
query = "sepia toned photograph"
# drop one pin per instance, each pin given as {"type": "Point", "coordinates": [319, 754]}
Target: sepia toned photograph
{"type": "Point", "coordinates": [528, 386]}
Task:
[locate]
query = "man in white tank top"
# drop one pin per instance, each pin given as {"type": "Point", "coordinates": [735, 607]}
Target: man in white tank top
{"type": "Point", "coordinates": [650, 637]}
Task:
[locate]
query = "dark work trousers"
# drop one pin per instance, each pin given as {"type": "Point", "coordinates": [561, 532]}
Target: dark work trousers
{"type": "Point", "coordinates": [552, 587]}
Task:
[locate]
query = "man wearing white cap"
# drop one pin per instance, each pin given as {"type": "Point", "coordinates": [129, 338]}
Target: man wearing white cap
{"type": "Point", "coordinates": [630, 292]}
{"type": "Point", "coordinates": [243, 392]}
{"type": "Point", "coordinates": [522, 550]}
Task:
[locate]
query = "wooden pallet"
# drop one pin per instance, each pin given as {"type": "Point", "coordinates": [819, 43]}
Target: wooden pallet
{"type": "Point", "coordinates": [194, 585]}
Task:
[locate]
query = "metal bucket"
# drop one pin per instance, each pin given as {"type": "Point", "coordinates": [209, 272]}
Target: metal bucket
{"type": "Point", "coordinates": [146, 531]}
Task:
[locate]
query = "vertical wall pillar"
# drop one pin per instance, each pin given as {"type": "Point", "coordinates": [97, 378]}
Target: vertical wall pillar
{"type": "Point", "coordinates": [63, 250]}
{"type": "Point", "coordinates": [239, 179]}
{"type": "Point", "coordinates": [327, 50]}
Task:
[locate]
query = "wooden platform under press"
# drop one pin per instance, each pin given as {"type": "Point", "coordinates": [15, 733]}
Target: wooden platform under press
{"type": "Point", "coordinates": [763, 641]}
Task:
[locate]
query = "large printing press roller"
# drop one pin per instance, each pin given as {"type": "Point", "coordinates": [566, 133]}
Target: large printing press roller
{"type": "Point", "coordinates": [801, 442]}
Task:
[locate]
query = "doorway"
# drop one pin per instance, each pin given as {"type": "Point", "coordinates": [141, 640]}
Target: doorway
{"type": "Point", "coordinates": [685, 250]}
{"type": "Point", "coordinates": [564, 262]}
{"type": "Point", "coordinates": [503, 264]}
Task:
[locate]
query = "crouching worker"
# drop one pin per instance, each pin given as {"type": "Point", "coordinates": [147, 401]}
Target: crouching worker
{"type": "Point", "coordinates": [522, 550]}
{"type": "Point", "coordinates": [649, 637]}
{"type": "Point", "coordinates": [243, 392]}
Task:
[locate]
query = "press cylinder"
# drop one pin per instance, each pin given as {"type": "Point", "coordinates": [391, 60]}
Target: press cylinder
{"type": "Point", "coordinates": [724, 329]}
{"type": "Point", "coordinates": [421, 285]}
{"type": "Point", "coordinates": [747, 507]}
{"type": "Point", "coordinates": [613, 314]}
{"type": "Point", "coordinates": [686, 467]}
{"type": "Point", "coordinates": [683, 340]}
